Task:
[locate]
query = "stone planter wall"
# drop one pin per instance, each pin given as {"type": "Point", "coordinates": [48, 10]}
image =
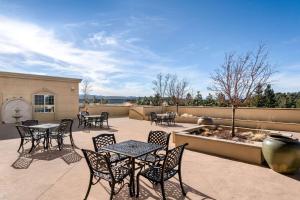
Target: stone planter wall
{"type": "Point", "coordinates": [250, 153]}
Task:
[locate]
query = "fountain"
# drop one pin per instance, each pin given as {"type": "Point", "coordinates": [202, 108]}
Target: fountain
{"type": "Point", "coordinates": [17, 115]}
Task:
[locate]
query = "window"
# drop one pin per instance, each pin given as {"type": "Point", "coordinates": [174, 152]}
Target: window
{"type": "Point", "coordinates": [43, 103]}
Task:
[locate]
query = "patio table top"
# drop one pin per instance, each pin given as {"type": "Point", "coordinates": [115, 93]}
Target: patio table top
{"type": "Point", "coordinates": [133, 148]}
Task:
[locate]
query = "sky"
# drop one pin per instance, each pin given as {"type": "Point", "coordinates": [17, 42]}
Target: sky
{"type": "Point", "coordinates": [121, 45]}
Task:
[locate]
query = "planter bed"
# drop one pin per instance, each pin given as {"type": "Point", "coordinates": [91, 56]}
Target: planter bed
{"type": "Point", "coordinates": [246, 152]}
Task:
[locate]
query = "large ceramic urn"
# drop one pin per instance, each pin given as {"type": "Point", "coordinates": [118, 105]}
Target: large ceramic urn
{"type": "Point", "coordinates": [282, 153]}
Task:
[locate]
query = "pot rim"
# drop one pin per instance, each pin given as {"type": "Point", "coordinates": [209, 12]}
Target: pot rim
{"type": "Point", "coordinates": [284, 138]}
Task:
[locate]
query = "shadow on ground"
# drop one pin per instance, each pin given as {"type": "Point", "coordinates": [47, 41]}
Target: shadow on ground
{"type": "Point", "coordinates": [9, 131]}
{"type": "Point", "coordinates": [151, 191]}
{"type": "Point", "coordinates": [67, 154]}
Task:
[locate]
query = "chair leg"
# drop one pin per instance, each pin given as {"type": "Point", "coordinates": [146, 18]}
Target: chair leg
{"type": "Point", "coordinates": [21, 144]}
{"type": "Point", "coordinates": [112, 191]}
{"type": "Point", "coordinates": [71, 139]}
{"type": "Point", "coordinates": [163, 190]}
{"type": "Point", "coordinates": [32, 146]}
{"type": "Point", "coordinates": [181, 185]}
{"type": "Point", "coordinates": [89, 188]}
{"type": "Point", "coordinates": [137, 185]}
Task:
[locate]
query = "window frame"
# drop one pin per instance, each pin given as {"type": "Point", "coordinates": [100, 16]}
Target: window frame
{"type": "Point", "coordinates": [44, 107]}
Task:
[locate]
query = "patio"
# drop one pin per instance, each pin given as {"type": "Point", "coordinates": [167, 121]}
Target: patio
{"type": "Point", "coordinates": [65, 175]}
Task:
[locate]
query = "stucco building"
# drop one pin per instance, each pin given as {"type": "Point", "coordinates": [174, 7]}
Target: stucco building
{"type": "Point", "coordinates": [45, 98]}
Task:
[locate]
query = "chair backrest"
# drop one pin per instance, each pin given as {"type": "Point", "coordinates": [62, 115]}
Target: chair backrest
{"type": "Point", "coordinates": [97, 162]}
{"type": "Point", "coordinates": [153, 116]}
{"type": "Point", "coordinates": [159, 137]}
{"type": "Point", "coordinates": [24, 131]}
{"type": "Point", "coordinates": [30, 122]}
{"type": "Point", "coordinates": [63, 128]}
{"type": "Point", "coordinates": [69, 124]}
{"type": "Point", "coordinates": [172, 114]}
{"type": "Point", "coordinates": [173, 158]}
{"type": "Point", "coordinates": [103, 140]}
{"type": "Point", "coordinates": [104, 115]}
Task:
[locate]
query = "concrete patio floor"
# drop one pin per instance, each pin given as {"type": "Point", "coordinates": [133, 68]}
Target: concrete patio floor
{"type": "Point", "coordinates": [65, 175]}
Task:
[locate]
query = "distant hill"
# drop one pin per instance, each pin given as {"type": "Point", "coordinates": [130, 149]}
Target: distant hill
{"type": "Point", "coordinates": [109, 99]}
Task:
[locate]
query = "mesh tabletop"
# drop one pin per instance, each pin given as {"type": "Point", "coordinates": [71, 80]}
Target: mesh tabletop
{"type": "Point", "coordinates": [44, 126]}
{"type": "Point", "coordinates": [133, 148]}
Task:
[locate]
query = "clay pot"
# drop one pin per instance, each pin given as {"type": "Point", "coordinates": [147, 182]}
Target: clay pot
{"type": "Point", "coordinates": [205, 121]}
{"type": "Point", "coordinates": [282, 153]}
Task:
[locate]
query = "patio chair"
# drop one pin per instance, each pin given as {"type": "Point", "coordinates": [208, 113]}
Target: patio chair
{"type": "Point", "coordinates": [105, 117]}
{"type": "Point", "coordinates": [171, 117]}
{"type": "Point", "coordinates": [156, 137]}
{"type": "Point", "coordinates": [27, 135]}
{"type": "Point", "coordinates": [59, 134]}
{"type": "Point", "coordinates": [154, 118]}
{"type": "Point", "coordinates": [99, 121]}
{"type": "Point", "coordinates": [104, 140]}
{"type": "Point", "coordinates": [30, 122]}
{"type": "Point", "coordinates": [70, 126]}
{"type": "Point", "coordinates": [171, 166]}
{"type": "Point", "coordinates": [101, 168]}
{"type": "Point", "coordinates": [80, 120]}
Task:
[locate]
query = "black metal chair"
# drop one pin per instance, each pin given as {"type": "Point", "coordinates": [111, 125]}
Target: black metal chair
{"type": "Point", "coordinates": [69, 133]}
{"type": "Point", "coordinates": [59, 134]}
{"type": "Point", "coordinates": [104, 140]}
{"type": "Point", "coordinates": [154, 118]}
{"type": "Point", "coordinates": [104, 116]}
{"type": "Point", "coordinates": [160, 173]}
{"type": "Point", "coordinates": [156, 137]}
{"type": "Point", "coordinates": [101, 168]}
{"type": "Point", "coordinates": [171, 118]}
{"type": "Point", "coordinates": [80, 120]}
{"type": "Point", "coordinates": [27, 135]}
{"type": "Point", "coordinates": [30, 122]}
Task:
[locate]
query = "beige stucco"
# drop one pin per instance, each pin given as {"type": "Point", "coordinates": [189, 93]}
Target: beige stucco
{"type": "Point", "coordinates": [259, 118]}
{"type": "Point", "coordinates": [113, 110]}
{"type": "Point", "coordinates": [24, 86]}
{"type": "Point", "coordinates": [250, 153]}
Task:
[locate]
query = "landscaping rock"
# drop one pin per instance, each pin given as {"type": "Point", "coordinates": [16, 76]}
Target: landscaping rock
{"type": "Point", "coordinates": [205, 121]}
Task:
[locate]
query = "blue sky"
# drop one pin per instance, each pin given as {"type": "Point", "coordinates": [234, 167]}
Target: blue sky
{"type": "Point", "coordinates": [122, 45]}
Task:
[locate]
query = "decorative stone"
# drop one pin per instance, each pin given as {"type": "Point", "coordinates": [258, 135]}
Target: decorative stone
{"type": "Point", "coordinates": [205, 121]}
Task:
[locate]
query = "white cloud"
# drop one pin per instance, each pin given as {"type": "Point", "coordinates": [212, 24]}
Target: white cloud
{"type": "Point", "coordinates": [115, 63]}
{"type": "Point", "coordinates": [286, 82]}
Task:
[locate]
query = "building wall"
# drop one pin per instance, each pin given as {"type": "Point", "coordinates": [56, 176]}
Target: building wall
{"type": "Point", "coordinates": [24, 86]}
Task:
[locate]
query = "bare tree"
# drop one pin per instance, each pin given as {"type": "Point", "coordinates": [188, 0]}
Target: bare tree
{"type": "Point", "coordinates": [177, 89]}
{"type": "Point", "coordinates": [86, 88]}
{"type": "Point", "coordinates": [240, 76]}
{"type": "Point", "coordinates": [161, 84]}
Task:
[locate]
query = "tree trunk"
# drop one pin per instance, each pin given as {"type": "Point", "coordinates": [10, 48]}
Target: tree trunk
{"type": "Point", "coordinates": [177, 107]}
{"type": "Point", "coordinates": [233, 121]}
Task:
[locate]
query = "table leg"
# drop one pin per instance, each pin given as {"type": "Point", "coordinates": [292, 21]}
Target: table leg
{"type": "Point", "coordinates": [132, 185]}
{"type": "Point", "coordinates": [47, 140]}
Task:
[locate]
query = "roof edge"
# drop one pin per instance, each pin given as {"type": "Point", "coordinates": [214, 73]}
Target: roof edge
{"type": "Point", "coordinates": [38, 77]}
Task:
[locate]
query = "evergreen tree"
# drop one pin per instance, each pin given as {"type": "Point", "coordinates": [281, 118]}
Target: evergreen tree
{"type": "Point", "coordinates": [258, 99]}
{"type": "Point", "coordinates": [269, 97]}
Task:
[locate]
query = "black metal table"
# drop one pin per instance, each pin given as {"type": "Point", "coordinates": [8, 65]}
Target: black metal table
{"type": "Point", "coordinates": [46, 128]}
{"type": "Point", "coordinates": [133, 149]}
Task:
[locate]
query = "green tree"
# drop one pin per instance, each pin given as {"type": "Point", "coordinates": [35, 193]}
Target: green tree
{"type": "Point", "coordinates": [269, 97]}
{"type": "Point", "coordinates": [258, 99]}
{"type": "Point", "coordinates": [189, 99]}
